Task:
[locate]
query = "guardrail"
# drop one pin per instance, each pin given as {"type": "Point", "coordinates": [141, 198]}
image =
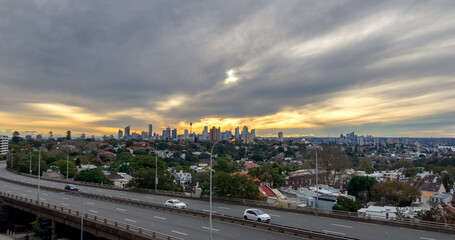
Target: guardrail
{"type": "Point", "coordinates": [196, 213]}
{"type": "Point", "coordinates": [139, 231]}
{"type": "Point", "coordinates": [403, 222]}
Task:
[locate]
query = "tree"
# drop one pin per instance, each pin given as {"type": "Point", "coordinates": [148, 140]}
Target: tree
{"type": "Point", "coordinates": [145, 178]}
{"type": "Point", "coordinates": [271, 173]}
{"type": "Point", "coordinates": [16, 137]}
{"type": "Point", "coordinates": [394, 193]}
{"type": "Point", "coordinates": [434, 214]}
{"type": "Point", "coordinates": [43, 228]}
{"type": "Point", "coordinates": [235, 186]}
{"type": "Point", "coordinates": [360, 187]}
{"type": "Point", "coordinates": [68, 135]}
{"type": "Point", "coordinates": [347, 204]}
{"type": "Point", "coordinates": [61, 166]}
{"type": "Point", "coordinates": [333, 161]}
{"type": "Point", "coordinates": [225, 165]}
{"type": "Point", "coordinates": [124, 157]}
{"type": "Point", "coordinates": [95, 175]}
{"type": "Point", "coordinates": [412, 172]}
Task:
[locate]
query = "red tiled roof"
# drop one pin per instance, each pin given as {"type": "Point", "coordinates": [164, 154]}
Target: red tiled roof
{"type": "Point", "coordinates": [251, 165]}
{"type": "Point", "coordinates": [265, 191]}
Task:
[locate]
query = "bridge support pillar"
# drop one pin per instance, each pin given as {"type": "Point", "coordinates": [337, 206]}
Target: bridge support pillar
{"type": "Point", "coordinates": [54, 235]}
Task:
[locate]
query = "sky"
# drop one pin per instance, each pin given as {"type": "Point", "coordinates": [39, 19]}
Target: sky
{"type": "Point", "coordinates": [306, 68]}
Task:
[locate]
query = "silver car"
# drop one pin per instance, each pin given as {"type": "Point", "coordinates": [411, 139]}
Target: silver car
{"type": "Point", "coordinates": [174, 203]}
{"type": "Point", "coordinates": [256, 215]}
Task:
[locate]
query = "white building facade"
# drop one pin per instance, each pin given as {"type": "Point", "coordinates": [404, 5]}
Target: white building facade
{"type": "Point", "coordinates": [3, 145]}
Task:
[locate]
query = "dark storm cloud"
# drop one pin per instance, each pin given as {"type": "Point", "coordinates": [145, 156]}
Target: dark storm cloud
{"type": "Point", "coordinates": [108, 57]}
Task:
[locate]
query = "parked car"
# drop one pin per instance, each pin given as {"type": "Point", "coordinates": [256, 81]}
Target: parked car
{"type": "Point", "coordinates": [175, 203]}
{"type": "Point", "coordinates": [71, 188]}
{"type": "Point", "coordinates": [256, 215]}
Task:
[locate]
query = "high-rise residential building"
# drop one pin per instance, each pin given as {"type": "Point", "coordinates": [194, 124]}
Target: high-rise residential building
{"type": "Point", "coordinates": [215, 134]}
{"type": "Point", "coordinates": [83, 136]}
{"type": "Point", "coordinates": [253, 133]}
{"type": "Point", "coordinates": [120, 134]}
{"type": "Point", "coordinates": [150, 131]}
{"type": "Point", "coordinates": [237, 133]}
{"type": "Point", "coordinates": [185, 135]}
{"type": "Point", "coordinates": [248, 138]}
{"type": "Point", "coordinates": [280, 136]}
{"type": "Point", "coordinates": [3, 145]}
{"type": "Point", "coordinates": [174, 133]}
{"type": "Point", "coordinates": [244, 131]}
{"type": "Point", "coordinates": [167, 134]}
{"type": "Point", "coordinates": [127, 132]}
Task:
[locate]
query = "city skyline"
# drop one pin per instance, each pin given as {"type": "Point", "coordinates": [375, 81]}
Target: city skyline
{"type": "Point", "coordinates": [307, 68]}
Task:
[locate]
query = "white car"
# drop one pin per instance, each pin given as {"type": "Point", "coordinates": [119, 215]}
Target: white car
{"type": "Point", "coordinates": [256, 215]}
{"type": "Point", "coordinates": [175, 203]}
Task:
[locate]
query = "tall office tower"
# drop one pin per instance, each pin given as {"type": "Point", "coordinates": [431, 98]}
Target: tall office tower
{"type": "Point", "coordinates": [127, 132]}
{"type": "Point", "coordinates": [237, 133]}
{"type": "Point", "coordinates": [39, 137]}
{"type": "Point", "coordinates": [253, 133]}
{"type": "Point", "coordinates": [205, 133]}
{"type": "Point", "coordinates": [150, 131]}
{"type": "Point", "coordinates": [3, 145]}
{"type": "Point", "coordinates": [244, 131]}
{"type": "Point", "coordinates": [120, 134]}
{"type": "Point", "coordinates": [174, 133]}
{"type": "Point", "coordinates": [83, 136]}
{"type": "Point", "coordinates": [280, 136]}
{"type": "Point", "coordinates": [167, 134]}
{"type": "Point", "coordinates": [215, 134]}
{"type": "Point", "coordinates": [185, 136]}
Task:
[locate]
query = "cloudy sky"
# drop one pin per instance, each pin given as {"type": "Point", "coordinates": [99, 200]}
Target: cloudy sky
{"type": "Point", "coordinates": [318, 68]}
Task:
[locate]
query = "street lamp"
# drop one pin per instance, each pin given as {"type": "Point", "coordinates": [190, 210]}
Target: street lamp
{"type": "Point", "coordinates": [210, 214]}
{"type": "Point", "coordinates": [156, 169]}
{"type": "Point", "coordinates": [82, 214]}
{"type": "Point", "coordinates": [317, 190]}
{"type": "Point", "coordinates": [39, 169]}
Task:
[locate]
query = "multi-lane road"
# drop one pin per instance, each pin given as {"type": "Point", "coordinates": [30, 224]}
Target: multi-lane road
{"type": "Point", "coordinates": [196, 228]}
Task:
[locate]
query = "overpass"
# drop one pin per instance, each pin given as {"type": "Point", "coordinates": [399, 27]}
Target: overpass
{"type": "Point", "coordinates": [341, 227]}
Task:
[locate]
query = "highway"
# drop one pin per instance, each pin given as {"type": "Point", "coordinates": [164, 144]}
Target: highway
{"type": "Point", "coordinates": [197, 228]}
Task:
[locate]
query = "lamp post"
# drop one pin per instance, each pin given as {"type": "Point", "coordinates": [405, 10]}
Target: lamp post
{"type": "Point", "coordinates": [211, 155]}
{"type": "Point", "coordinates": [317, 190]}
{"type": "Point", "coordinates": [67, 161]}
{"type": "Point", "coordinates": [156, 169]}
{"type": "Point", "coordinates": [39, 170]}
{"type": "Point", "coordinates": [82, 213]}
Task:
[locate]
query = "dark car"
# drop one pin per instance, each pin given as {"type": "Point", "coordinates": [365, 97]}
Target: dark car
{"type": "Point", "coordinates": [71, 188]}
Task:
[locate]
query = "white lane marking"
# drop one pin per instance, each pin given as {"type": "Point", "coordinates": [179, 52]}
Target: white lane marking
{"type": "Point", "coordinates": [150, 197]}
{"type": "Point", "coordinates": [109, 195]}
{"type": "Point", "coordinates": [16, 188]}
{"type": "Point", "coordinates": [179, 232]}
{"type": "Point", "coordinates": [274, 215]}
{"type": "Point", "coordinates": [25, 195]}
{"type": "Point", "coordinates": [93, 211]}
{"type": "Point", "coordinates": [135, 199]}
{"type": "Point", "coordinates": [64, 198]}
{"type": "Point", "coordinates": [90, 203]}
{"type": "Point", "coordinates": [45, 194]}
{"type": "Point", "coordinates": [29, 191]}
{"type": "Point", "coordinates": [327, 231]}
{"type": "Point", "coordinates": [42, 199]}
{"type": "Point", "coordinates": [122, 194]}
{"type": "Point", "coordinates": [339, 225]}
{"type": "Point", "coordinates": [64, 204]}
{"type": "Point", "coordinates": [120, 209]}
{"type": "Point", "coordinates": [213, 229]}
{"type": "Point", "coordinates": [162, 218]}
{"type": "Point", "coordinates": [129, 220]}
{"type": "Point", "coordinates": [205, 210]}
{"type": "Point", "coordinates": [224, 208]}
{"type": "Point", "coordinates": [99, 190]}
{"type": "Point", "coordinates": [427, 238]}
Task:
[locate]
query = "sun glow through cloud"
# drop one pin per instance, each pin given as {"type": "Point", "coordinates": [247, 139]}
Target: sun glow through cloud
{"type": "Point", "coordinates": [231, 78]}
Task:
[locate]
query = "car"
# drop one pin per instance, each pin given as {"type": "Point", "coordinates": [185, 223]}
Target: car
{"type": "Point", "coordinates": [175, 203]}
{"type": "Point", "coordinates": [256, 215]}
{"type": "Point", "coordinates": [71, 188]}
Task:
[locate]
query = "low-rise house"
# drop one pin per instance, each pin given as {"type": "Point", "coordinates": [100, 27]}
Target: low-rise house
{"type": "Point", "coordinates": [441, 198]}
{"type": "Point", "coordinates": [120, 179]}
{"type": "Point", "coordinates": [388, 212]}
{"type": "Point", "coordinates": [52, 174]}
{"type": "Point", "coordinates": [182, 178]}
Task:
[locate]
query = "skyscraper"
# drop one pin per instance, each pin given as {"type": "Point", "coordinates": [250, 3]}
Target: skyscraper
{"type": "Point", "coordinates": [127, 132]}
{"type": "Point", "coordinates": [205, 133]}
{"type": "Point", "coordinates": [167, 134]}
{"type": "Point", "coordinates": [253, 133]}
{"type": "Point", "coordinates": [215, 134]}
{"type": "Point", "coordinates": [120, 134]}
{"type": "Point", "coordinates": [185, 136]}
{"type": "Point", "coordinates": [150, 131]}
{"type": "Point", "coordinates": [174, 134]}
{"type": "Point", "coordinates": [244, 131]}
{"type": "Point", "coordinates": [237, 133]}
